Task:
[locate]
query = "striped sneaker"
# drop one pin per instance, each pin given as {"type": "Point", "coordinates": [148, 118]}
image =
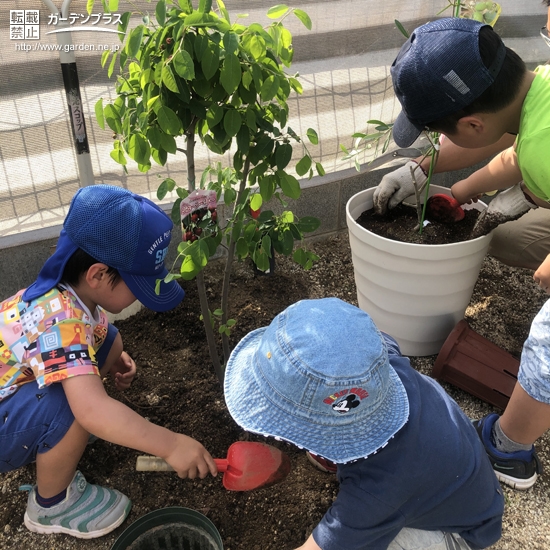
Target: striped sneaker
{"type": "Point", "coordinates": [88, 511]}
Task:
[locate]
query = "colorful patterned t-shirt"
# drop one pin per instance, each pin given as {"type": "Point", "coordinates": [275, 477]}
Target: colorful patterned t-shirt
{"type": "Point", "coordinates": [50, 339]}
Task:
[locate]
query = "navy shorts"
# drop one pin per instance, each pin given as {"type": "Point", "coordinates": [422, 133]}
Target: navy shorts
{"type": "Point", "coordinates": [34, 420]}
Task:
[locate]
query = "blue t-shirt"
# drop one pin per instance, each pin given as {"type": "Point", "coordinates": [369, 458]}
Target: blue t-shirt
{"type": "Point", "coordinates": [434, 475]}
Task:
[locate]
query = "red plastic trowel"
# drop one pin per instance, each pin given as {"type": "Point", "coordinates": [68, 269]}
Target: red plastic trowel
{"type": "Point", "coordinates": [444, 209]}
{"type": "Point", "coordinates": [248, 466]}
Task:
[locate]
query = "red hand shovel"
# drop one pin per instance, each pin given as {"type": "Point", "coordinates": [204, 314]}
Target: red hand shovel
{"type": "Point", "coordinates": [248, 466]}
{"type": "Point", "coordinates": [444, 209]}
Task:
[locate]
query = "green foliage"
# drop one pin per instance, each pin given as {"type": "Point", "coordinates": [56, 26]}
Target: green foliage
{"type": "Point", "coordinates": [193, 74]}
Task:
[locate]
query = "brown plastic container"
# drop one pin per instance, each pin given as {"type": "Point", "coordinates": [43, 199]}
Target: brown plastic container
{"type": "Point", "coordinates": [476, 365]}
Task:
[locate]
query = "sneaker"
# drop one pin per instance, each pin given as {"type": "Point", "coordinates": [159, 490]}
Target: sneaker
{"type": "Point", "coordinates": [321, 463]}
{"type": "Point", "coordinates": [520, 469]}
{"type": "Point", "coordinates": [88, 511]}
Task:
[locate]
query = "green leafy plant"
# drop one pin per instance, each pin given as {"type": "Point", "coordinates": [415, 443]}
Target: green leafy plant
{"type": "Point", "coordinates": [193, 73]}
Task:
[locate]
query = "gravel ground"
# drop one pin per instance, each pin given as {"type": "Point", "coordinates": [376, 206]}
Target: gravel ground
{"type": "Point", "coordinates": [504, 302]}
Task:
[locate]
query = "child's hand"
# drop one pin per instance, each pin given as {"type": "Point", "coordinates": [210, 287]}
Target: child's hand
{"type": "Point", "coordinates": [542, 275]}
{"type": "Point", "coordinates": [123, 371]}
{"type": "Point", "coordinates": [190, 459]}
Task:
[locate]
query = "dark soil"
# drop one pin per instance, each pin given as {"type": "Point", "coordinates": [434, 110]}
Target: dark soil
{"type": "Point", "coordinates": [401, 224]}
{"type": "Point", "coordinates": [176, 387]}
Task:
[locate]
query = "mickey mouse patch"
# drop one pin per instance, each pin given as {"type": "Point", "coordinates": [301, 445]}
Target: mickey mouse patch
{"type": "Point", "coordinates": [344, 401]}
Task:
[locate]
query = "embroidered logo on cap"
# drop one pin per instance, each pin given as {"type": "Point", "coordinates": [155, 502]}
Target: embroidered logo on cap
{"type": "Point", "coordinates": [343, 401]}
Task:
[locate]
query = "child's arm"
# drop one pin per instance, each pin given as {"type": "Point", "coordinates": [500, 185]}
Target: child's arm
{"type": "Point", "coordinates": [113, 421]}
{"type": "Point", "coordinates": [500, 173]}
{"type": "Point", "coordinates": [310, 544]}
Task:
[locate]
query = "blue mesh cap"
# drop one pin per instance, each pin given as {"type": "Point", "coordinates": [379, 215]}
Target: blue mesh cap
{"type": "Point", "coordinates": [439, 71]}
{"type": "Point", "coordinates": [319, 377]}
{"type": "Point", "coordinates": [122, 230]}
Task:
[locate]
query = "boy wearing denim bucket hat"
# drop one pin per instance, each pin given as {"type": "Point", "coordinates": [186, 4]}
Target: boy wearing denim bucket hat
{"type": "Point", "coordinates": [411, 468]}
{"type": "Point", "coordinates": [456, 76]}
{"type": "Point", "coordinates": [56, 343]}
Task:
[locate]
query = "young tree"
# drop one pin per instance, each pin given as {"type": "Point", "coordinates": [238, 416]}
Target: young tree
{"type": "Point", "coordinates": [194, 73]}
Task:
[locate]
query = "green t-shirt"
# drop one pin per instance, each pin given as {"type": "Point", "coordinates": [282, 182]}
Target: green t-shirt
{"type": "Point", "coordinates": [533, 141]}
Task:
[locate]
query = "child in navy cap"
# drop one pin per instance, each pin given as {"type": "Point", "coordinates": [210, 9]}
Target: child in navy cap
{"type": "Point", "coordinates": [413, 473]}
{"type": "Point", "coordinates": [55, 345]}
{"type": "Point", "coordinates": [456, 76]}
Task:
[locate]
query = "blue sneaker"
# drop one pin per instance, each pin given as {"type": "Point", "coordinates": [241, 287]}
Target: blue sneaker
{"type": "Point", "coordinates": [519, 470]}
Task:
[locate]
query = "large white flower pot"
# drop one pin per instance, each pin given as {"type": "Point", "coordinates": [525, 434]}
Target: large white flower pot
{"type": "Point", "coordinates": [416, 293]}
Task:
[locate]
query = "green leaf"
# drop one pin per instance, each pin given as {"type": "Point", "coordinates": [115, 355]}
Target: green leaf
{"type": "Point", "coordinates": [160, 12]}
{"type": "Point", "coordinates": [230, 42]}
{"type": "Point", "coordinates": [256, 46]}
{"type": "Point", "coordinates": [168, 143]}
{"type": "Point", "coordinates": [312, 136]}
{"type": "Point", "coordinates": [90, 6]}
{"type": "Point", "coordinates": [169, 121]}
{"type": "Point", "coordinates": [289, 185]}
{"type": "Point", "coordinates": [214, 115]}
{"type": "Point", "coordinates": [138, 148]}
{"type": "Point", "coordinates": [232, 122]}
{"type": "Point", "coordinates": [113, 5]}
{"type": "Point", "coordinates": [98, 108]}
{"type": "Point", "coordinates": [283, 154]}
{"type": "Point", "coordinates": [210, 61]}
{"type": "Point", "coordinates": [112, 65]}
{"type": "Point", "coordinates": [168, 79]}
{"type": "Point", "coordinates": [303, 165]}
{"type": "Point", "coordinates": [269, 88]}
{"type": "Point", "coordinates": [199, 252]}
{"type": "Point", "coordinates": [303, 17]}
{"type": "Point", "coordinates": [112, 117]}
{"type": "Point", "coordinates": [205, 6]}
{"type": "Point", "coordinates": [401, 28]}
{"type": "Point", "coordinates": [242, 248]}
{"type": "Point", "coordinates": [256, 201]}
{"type": "Point", "coordinates": [319, 168]}
{"type": "Point", "coordinates": [183, 65]}
{"type": "Point", "coordinates": [118, 156]}
{"type": "Point", "coordinates": [188, 268]}
{"type": "Point", "coordinates": [153, 135]}
{"type": "Point", "coordinates": [296, 85]}
{"type": "Point", "coordinates": [277, 11]}
{"type": "Point", "coordinates": [231, 73]}
{"type": "Point", "coordinates": [165, 187]}
{"type": "Point", "coordinates": [104, 56]}
{"type": "Point", "coordinates": [134, 42]}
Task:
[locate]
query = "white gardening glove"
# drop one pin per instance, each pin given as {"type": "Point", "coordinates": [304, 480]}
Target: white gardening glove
{"type": "Point", "coordinates": [506, 206]}
{"type": "Point", "coordinates": [396, 186]}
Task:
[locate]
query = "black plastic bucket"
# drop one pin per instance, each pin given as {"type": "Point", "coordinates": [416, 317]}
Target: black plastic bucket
{"type": "Point", "coordinates": [173, 528]}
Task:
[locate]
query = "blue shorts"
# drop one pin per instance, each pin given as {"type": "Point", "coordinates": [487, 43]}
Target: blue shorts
{"type": "Point", "coordinates": [34, 420]}
{"type": "Point", "coordinates": [534, 368]}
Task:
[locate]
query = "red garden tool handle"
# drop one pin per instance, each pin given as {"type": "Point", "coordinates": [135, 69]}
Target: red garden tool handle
{"type": "Point", "coordinates": [156, 464]}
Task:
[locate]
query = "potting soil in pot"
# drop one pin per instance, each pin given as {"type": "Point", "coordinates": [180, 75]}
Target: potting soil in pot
{"type": "Point", "coordinates": [175, 536]}
{"type": "Point", "coordinates": [399, 223]}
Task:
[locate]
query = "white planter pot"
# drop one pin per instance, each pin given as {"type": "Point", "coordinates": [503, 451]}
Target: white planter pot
{"type": "Point", "coordinates": [416, 293]}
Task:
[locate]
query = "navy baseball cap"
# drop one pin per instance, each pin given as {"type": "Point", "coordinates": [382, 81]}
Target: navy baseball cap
{"type": "Point", "coordinates": [123, 230]}
{"type": "Point", "coordinates": [439, 71]}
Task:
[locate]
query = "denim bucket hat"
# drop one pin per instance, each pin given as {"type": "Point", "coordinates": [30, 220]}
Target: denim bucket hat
{"type": "Point", "coordinates": [439, 71]}
{"type": "Point", "coordinates": [123, 230]}
{"type": "Point", "coordinates": [319, 377]}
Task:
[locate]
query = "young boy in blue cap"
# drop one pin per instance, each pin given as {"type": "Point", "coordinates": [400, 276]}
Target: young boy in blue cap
{"type": "Point", "coordinates": [412, 471]}
{"type": "Point", "coordinates": [455, 76]}
{"type": "Point", "coordinates": [55, 345]}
